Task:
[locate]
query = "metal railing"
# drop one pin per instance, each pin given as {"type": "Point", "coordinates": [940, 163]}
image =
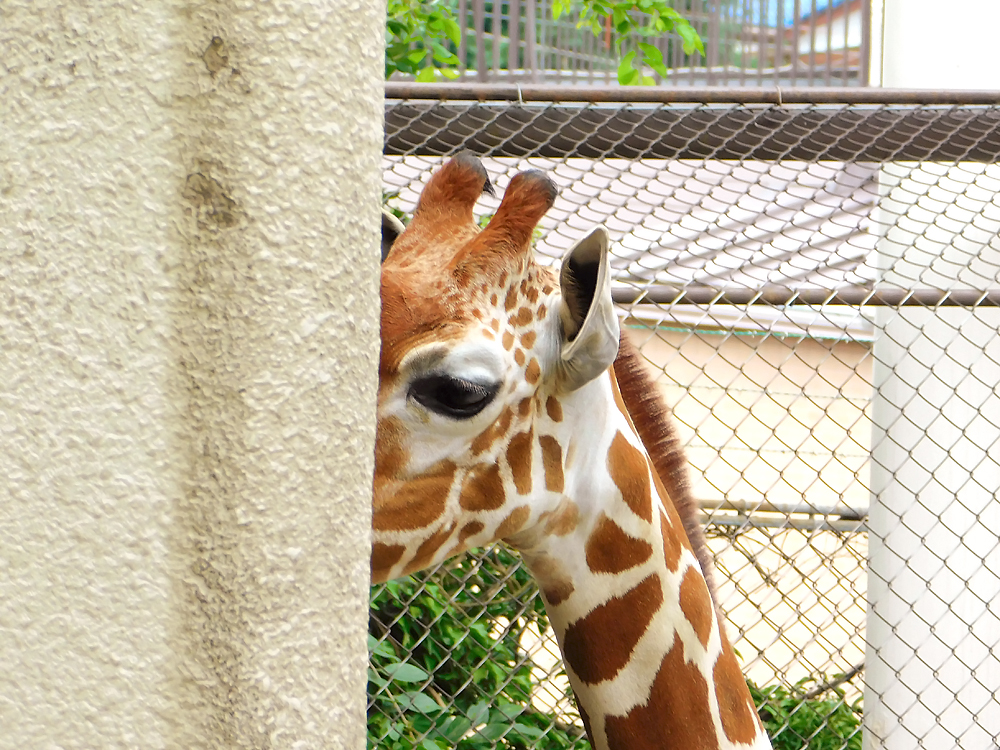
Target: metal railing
{"type": "Point", "coordinates": [786, 43]}
{"type": "Point", "coordinates": [815, 286]}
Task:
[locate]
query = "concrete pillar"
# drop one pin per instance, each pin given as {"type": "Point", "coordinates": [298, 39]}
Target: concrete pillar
{"type": "Point", "coordinates": [188, 343]}
{"type": "Point", "coordinates": [933, 658]}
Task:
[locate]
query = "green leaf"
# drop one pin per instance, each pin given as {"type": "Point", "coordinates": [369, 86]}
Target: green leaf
{"type": "Point", "coordinates": [493, 731]}
{"type": "Point", "coordinates": [507, 711]}
{"type": "Point", "coordinates": [690, 38]}
{"type": "Point", "coordinates": [620, 19]}
{"type": "Point", "coordinates": [416, 55]}
{"type": "Point", "coordinates": [455, 728]}
{"type": "Point", "coordinates": [428, 744]}
{"type": "Point", "coordinates": [453, 30]}
{"type": "Point", "coordinates": [405, 672]}
{"type": "Point", "coordinates": [427, 75]}
{"type": "Point", "coordinates": [532, 732]}
{"type": "Point", "coordinates": [627, 74]}
{"type": "Point", "coordinates": [424, 703]}
{"type": "Point", "coordinates": [418, 702]}
{"type": "Point", "coordinates": [450, 73]}
{"type": "Point", "coordinates": [653, 58]}
{"type": "Point", "coordinates": [478, 713]}
{"type": "Point", "coordinates": [443, 55]}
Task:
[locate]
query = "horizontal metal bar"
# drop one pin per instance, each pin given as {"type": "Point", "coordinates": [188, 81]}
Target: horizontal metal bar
{"type": "Point", "coordinates": [800, 523]}
{"type": "Point", "coordinates": [850, 296]}
{"type": "Point", "coordinates": [505, 92]}
{"type": "Point", "coordinates": [875, 134]}
{"type": "Point", "coordinates": [845, 512]}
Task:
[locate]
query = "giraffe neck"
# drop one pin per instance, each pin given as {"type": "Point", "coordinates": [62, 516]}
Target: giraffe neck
{"type": "Point", "coordinates": [643, 645]}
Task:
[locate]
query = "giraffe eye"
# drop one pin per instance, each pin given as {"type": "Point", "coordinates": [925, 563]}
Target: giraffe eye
{"type": "Point", "coordinates": [453, 397]}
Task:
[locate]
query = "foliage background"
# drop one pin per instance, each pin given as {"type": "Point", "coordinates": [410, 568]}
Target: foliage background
{"type": "Point", "coordinates": [447, 669]}
{"type": "Point", "coordinates": [423, 38]}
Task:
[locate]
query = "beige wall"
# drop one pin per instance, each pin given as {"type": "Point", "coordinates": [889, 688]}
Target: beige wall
{"type": "Point", "coordinates": [781, 420]}
{"type": "Point", "coordinates": [188, 339]}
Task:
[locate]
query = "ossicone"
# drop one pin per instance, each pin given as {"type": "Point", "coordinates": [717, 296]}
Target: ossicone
{"type": "Point", "coordinates": [454, 189]}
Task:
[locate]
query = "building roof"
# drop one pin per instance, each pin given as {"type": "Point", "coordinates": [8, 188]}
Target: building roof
{"type": "Point", "coordinates": [770, 11]}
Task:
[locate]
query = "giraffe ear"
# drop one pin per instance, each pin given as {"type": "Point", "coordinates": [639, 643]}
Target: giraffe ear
{"type": "Point", "coordinates": [587, 316]}
{"type": "Point", "coordinates": [391, 229]}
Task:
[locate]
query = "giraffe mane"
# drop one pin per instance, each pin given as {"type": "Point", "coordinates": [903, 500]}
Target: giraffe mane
{"type": "Point", "coordinates": [658, 433]}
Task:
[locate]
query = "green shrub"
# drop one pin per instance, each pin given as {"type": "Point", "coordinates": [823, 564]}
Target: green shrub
{"type": "Point", "coordinates": [826, 722]}
{"type": "Point", "coordinates": [446, 669]}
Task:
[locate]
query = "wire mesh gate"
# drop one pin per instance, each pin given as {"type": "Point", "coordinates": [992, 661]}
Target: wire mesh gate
{"type": "Point", "coordinates": [815, 287]}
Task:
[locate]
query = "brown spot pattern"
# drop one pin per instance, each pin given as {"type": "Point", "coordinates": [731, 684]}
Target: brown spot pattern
{"type": "Point", "coordinates": [553, 580]}
{"type": "Point", "coordinates": [390, 455]}
{"type": "Point", "coordinates": [630, 473]}
{"type": "Point", "coordinates": [697, 604]}
{"type": "Point", "coordinates": [427, 550]}
{"type": "Point", "coordinates": [519, 357]}
{"type": "Point", "coordinates": [680, 536]}
{"type": "Point", "coordinates": [528, 339]}
{"type": "Point", "coordinates": [524, 407]}
{"type": "Point", "coordinates": [496, 430]}
{"type": "Point", "coordinates": [384, 556]}
{"type": "Point", "coordinates": [513, 523]}
{"type": "Point", "coordinates": [533, 371]}
{"type": "Point", "coordinates": [552, 463]}
{"type": "Point", "coordinates": [510, 301]}
{"type": "Point", "coordinates": [470, 529]}
{"type": "Point", "coordinates": [417, 503]}
{"type": "Point", "coordinates": [556, 593]}
{"type": "Point", "coordinates": [671, 544]}
{"type": "Point", "coordinates": [522, 318]}
{"type": "Point", "coordinates": [599, 644]}
{"type": "Point", "coordinates": [564, 519]}
{"type": "Point", "coordinates": [541, 312]}
{"type": "Point", "coordinates": [677, 714]}
{"type": "Point", "coordinates": [553, 408]}
{"type": "Point", "coordinates": [610, 550]}
{"type": "Point", "coordinates": [519, 457]}
{"type": "Point", "coordinates": [735, 704]}
{"type": "Point", "coordinates": [508, 340]}
{"type": "Point", "coordinates": [482, 489]}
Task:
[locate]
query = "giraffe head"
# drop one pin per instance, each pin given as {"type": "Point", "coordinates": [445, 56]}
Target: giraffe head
{"type": "Point", "coordinates": [480, 346]}
{"type": "Point", "coordinates": [494, 422]}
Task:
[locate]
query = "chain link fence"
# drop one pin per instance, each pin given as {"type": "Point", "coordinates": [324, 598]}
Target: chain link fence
{"type": "Point", "coordinates": [815, 287]}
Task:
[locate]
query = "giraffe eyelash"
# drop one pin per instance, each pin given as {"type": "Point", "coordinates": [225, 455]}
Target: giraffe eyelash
{"type": "Point", "coordinates": [453, 397]}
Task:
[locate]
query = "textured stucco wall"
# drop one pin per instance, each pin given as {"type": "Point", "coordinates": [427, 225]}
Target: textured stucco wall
{"type": "Point", "coordinates": [188, 342]}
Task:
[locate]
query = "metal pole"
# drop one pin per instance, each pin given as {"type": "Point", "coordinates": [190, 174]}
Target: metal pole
{"type": "Point", "coordinates": [702, 95]}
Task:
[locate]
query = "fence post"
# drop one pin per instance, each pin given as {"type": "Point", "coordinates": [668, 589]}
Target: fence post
{"type": "Point", "coordinates": [188, 345]}
{"type": "Point", "coordinates": [933, 654]}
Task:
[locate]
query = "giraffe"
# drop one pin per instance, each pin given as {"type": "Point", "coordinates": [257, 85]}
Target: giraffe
{"type": "Point", "coordinates": [509, 408]}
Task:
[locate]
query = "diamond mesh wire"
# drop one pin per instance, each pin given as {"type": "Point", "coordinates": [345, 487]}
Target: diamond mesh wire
{"type": "Point", "coordinates": [755, 249]}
